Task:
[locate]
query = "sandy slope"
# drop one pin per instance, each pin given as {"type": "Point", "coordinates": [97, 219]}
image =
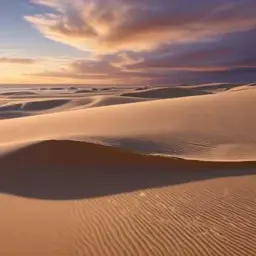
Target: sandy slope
{"type": "Point", "coordinates": [212, 127]}
{"type": "Point", "coordinates": [213, 87]}
{"type": "Point", "coordinates": [244, 87]}
{"type": "Point", "coordinates": [65, 194]}
{"type": "Point", "coordinates": [101, 201]}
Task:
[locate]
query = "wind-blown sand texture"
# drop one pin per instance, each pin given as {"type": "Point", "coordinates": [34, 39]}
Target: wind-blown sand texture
{"type": "Point", "coordinates": [106, 174]}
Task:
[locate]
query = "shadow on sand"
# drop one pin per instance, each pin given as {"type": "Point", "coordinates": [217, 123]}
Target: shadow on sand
{"type": "Point", "coordinates": [66, 170]}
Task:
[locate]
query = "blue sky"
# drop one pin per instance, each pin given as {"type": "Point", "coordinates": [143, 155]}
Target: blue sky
{"type": "Point", "coordinates": [21, 39]}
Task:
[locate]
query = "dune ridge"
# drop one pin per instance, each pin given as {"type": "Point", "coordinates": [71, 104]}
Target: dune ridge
{"type": "Point", "coordinates": [15, 109]}
{"type": "Point", "coordinates": [181, 127]}
{"type": "Point", "coordinates": [167, 92]}
{"type": "Point", "coordinates": [51, 153]}
{"type": "Point", "coordinates": [81, 196]}
{"type": "Point", "coordinates": [214, 87]}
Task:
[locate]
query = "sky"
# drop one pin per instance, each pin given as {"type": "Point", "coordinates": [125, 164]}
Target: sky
{"type": "Point", "coordinates": [127, 42]}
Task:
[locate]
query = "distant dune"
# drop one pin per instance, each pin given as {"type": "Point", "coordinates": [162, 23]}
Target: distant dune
{"type": "Point", "coordinates": [164, 93]}
{"type": "Point", "coordinates": [22, 108]}
{"type": "Point", "coordinates": [83, 91]}
{"type": "Point", "coordinates": [244, 87]}
{"type": "Point", "coordinates": [214, 87]}
{"type": "Point", "coordinates": [33, 105]}
{"type": "Point", "coordinates": [169, 171]}
{"type": "Point", "coordinates": [21, 93]}
{"type": "Point", "coordinates": [100, 101]}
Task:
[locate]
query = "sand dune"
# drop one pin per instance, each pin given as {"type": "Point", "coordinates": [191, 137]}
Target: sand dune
{"type": "Point", "coordinates": [100, 101]}
{"type": "Point", "coordinates": [85, 91]}
{"type": "Point", "coordinates": [56, 153]}
{"type": "Point", "coordinates": [13, 114]}
{"type": "Point", "coordinates": [34, 105]}
{"type": "Point", "coordinates": [18, 93]}
{"type": "Point", "coordinates": [213, 87]}
{"type": "Point", "coordinates": [167, 92]}
{"type": "Point", "coordinates": [182, 127]}
{"type": "Point", "coordinates": [143, 205]}
{"type": "Point", "coordinates": [94, 176]}
{"type": "Point", "coordinates": [29, 107]}
{"type": "Point", "coordinates": [244, 87]}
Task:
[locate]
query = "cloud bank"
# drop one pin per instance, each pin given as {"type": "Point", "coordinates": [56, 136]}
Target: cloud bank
{"type": "Point", "coordinates": [155, 41]}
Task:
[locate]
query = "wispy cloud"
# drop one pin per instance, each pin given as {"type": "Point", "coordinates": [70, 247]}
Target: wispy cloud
{"type": "Point", "coordinates": [111, 26]}
{"type": "Point", "coordinates": [21, 61]}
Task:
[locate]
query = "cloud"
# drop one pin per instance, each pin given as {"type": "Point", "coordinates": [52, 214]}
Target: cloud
{"type": "Point", "coordinates": [149, 41]}
{"type": "Point", "coordinates": [123, 60]}
{"type": "Point", "coordinates": [22, 61]}
{"type": "Point", "coordinates": [231, 59]}
{"type": "Point", "coordinates": [111, 26]}
{"type": "Point", "coordinates": [211, 59]}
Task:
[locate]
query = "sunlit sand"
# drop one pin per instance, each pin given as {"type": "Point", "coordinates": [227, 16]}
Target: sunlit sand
{"type": "Point", "coordinates": [160, 171]}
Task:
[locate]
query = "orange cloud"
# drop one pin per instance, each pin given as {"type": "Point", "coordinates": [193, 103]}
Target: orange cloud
{"type": "Point", "coordinates": [111, 26]}
{"type": "Point", "coordinates": [158, 41]}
